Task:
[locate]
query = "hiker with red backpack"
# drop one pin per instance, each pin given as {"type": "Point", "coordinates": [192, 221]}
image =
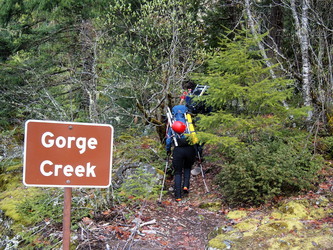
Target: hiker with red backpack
{"type": "Point", "coordinates": [185, 150]}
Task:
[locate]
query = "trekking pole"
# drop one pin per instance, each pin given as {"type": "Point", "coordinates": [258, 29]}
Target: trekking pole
{"type": "Point", "coordinates": [165, 170]}
{"type": "Point", "coordinates": [202, 173]}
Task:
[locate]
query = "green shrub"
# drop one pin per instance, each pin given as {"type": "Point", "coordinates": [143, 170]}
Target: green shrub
{"type": "Point", "coordinates": [325, 147]}
{"type": "Point", "coordinates": [43, 206]}
{"type": "Point", "coordinates": [140, 185]}
{"type": "Point", "coordinates": [132, 147]}
{"type": "Point", "coordinates": [48, 204]}
{"type": "Point", "coordinates": [268, 169]}
{"type": "Point", "coordinates": [137, 151]}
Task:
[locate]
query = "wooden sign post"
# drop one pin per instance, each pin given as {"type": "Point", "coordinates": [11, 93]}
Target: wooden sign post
{"type": "Point", "coordinates": [64, 154]}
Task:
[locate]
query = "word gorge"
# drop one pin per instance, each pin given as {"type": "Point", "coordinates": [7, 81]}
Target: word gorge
{"type": "Point", "coordinates": [81, 142]}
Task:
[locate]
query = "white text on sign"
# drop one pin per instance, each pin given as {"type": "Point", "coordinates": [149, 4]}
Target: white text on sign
{"type": "Point", "coordinates": [81, 143]}
{"type": "Point", "coordinates": [67, 170]}
{"type": "Point", "coordinates": [48, 168]}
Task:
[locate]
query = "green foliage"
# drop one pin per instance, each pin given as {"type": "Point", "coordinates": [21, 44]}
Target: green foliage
{"type": "Point", "coordinates": [43, 206]}
{"type": "Point", "coordinates": [48, 205]}
{"type": "Point", "coordinates": [220, 15]}
{"type": "Point", "coordinates": [325, 147]}
{"type": "Point", "coordinates": [29, 206]}
{"type": "Point", "coordinates": [10, 200]}
{"type": "Point", "coordinates": [10, 177]}
{"type": "Point", "coordinates": [134, 147]}
{"type": "Point", "coordinates": [246, 98]}
{"type": "Point", "coordinates": [94, 61]}
{"type": "Point", "coordinates": [141, 185]}
{"type": "Point", "coordinates": [41, 75]}
{"type": "Point", "coordinates": [267, 169]}
{"type": "Point", "coordinates": [253, 125]}
{"type": "Point", "coordinates": [37, 211]}
{"type": "Point", "coordinates": [10, 161]}
{"type": "Point", "coordinates": [247, 101]}
{"type": "Point", "coordinates": [152, 48]}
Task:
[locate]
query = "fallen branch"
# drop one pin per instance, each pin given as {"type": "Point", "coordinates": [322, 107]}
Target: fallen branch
{"type": "Point", "coordinates": [148, 223]}
{"type": "Point", "coordinates": [135, 230]}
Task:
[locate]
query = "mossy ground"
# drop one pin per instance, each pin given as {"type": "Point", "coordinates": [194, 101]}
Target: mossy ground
{"type": "Point", "coordinates": [295, 224]}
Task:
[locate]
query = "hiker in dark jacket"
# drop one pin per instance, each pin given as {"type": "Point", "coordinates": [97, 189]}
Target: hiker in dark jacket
{"type": "Point", "coordinates": [184, 156]}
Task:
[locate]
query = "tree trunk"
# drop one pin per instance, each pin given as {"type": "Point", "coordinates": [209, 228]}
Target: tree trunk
{"type": "Point", "coordinates": [302, 32]}
{"type": "Point", "coordinates": [88, 39]}
{"type": "Point", "coordinates": [276, 25]}
{"type": "Point", "coordinates": [254, 32]}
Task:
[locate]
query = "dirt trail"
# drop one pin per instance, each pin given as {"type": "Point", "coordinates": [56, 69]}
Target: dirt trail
{"type": "Point", "coordinates": [154, 225]}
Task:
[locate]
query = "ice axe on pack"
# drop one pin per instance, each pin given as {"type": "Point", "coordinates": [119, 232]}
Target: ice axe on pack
{"type": "Point", "coordinates": [170, 123]}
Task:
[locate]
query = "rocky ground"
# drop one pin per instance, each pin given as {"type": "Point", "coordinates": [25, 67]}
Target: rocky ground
{"type": "Point", "coordinates": [202, 221]}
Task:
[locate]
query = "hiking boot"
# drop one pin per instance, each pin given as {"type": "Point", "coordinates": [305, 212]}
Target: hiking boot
{"type": "Point", "coordinates": [185, 190]}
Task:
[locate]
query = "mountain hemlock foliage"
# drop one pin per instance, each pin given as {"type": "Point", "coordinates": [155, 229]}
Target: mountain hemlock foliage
{"type": "Point", "coordinates": [253, 126]}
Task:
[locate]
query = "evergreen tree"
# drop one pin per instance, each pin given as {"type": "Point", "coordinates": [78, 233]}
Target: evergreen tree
{"type": "Point", "coordinates": [252, 126]}
{"type": "Point", "coordinates": [44, 71]}
{"type": "Point", "coordinates": [245, 98]}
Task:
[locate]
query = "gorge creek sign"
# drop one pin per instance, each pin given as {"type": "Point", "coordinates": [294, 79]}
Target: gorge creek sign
{"type": "Point", "coordinates": [65, 154]}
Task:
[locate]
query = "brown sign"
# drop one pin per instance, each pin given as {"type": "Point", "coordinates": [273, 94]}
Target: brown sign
{"type": "Point", "coordinates": [64, 154]}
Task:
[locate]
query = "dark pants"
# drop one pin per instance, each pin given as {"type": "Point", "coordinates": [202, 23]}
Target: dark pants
{"type": "Point", "coordinates": [183, 159]}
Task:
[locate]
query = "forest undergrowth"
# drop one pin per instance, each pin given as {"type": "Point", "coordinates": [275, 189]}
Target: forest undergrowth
{"type": "Point", "coordinates": [203, 220]}
{"type": "Point", "coordinates": [198, 221]}
{"type": "Point", "coordinates": [201, 217]}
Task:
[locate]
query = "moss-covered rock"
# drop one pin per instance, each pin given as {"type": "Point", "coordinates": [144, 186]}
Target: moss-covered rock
{"type": "Point", "coordinates": [321, 201]}
{"type": "Point", "coordinates": [288, 227]}
{"type": "Point", "coordinates": [226, 240]}
{"type": "Point", "coordinates": [211, 206]}
{"type": "Point", "coordinates": [248, 225]}
{"type": "Point", "coordinates": [308, 241]}
{"type": "Point", "coordinates": [301, 209]}
{"type": "Point", "coordinates": [218, 242]}
{"type": "Point", "coordinates": [319, 213]}
{"type": "Point", "coordinates": [294, 209]}
{"type": "Point", "coordinates": [280, 227]}
{"type": "Point", "coordinates": [237, 214]}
